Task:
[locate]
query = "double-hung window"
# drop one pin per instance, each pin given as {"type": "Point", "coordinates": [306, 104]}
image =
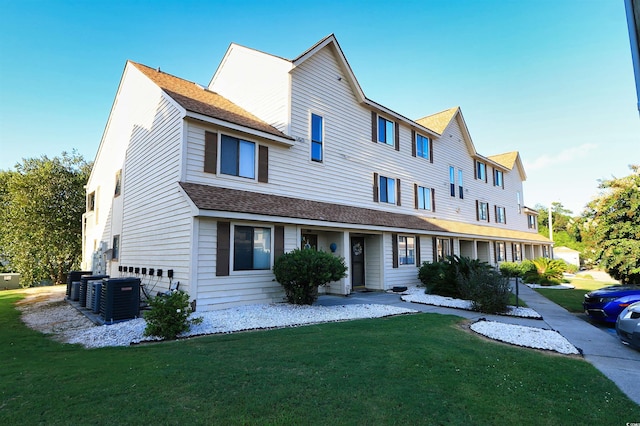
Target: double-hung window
{"type": "Point", "coordinates": [443, 248]}
{"type": "Point", "coordinates": [251, 248]}
{"type": "Point", "coordinates": [317, 137]}
{"type": "Point", "coordinates": [501, 215]}
{"type": "Point", "coordinates": [406, 250]}
{"type": "Point", "coordinates": [481, 171]}
{"type": "Point", "coordinates": [422, 146]}
{"type": "Point", "coordinates": [501, 252]}
{"type": "Point", "coordinates": [519, 202]}
{"type": "Point", "coordinates": [498, 178]}
{"type": "Point", "coordinates": [483, 211]}
{"type": "Point", "coordinates": [115, 248]}
{"type": "Point", "coordinates": [531, 219]}
{"type": "Point", "coordinates": [118, 188]}
{"type": "Point", "coordinates": [452, 181]}
{"type": "Point", "coordinates": [386, 131]}
{"type": "Point", "coordinates": [424, 201]}
{"type": "Point", "coordinates": [517, 252]}
{"type": "Point", "coordinates": [238, 157]}
{"type": "Point", "coordinates": [460, 185]}
{"type": "Point", "coordinates": [387, 190]}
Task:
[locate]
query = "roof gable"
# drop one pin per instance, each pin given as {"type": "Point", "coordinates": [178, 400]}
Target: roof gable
{"type": "Point", "coordinates": [509, 160]}
{"type": "Point", "coordinates": [193, 97]}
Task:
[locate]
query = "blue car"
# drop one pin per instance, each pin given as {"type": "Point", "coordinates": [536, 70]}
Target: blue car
{"type": "Point", "coordinates": [605, 304]}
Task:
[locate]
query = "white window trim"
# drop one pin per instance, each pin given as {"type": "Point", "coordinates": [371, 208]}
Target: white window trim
{"type": "Point", "coordinates": [219, 159]}
{"type": "Point", "coordinates": [393, 133]}
{"type": "Point", "coordinates": [232, 249]}
{"type": "Point", "coordinates": [311, 114]}
{"type": "Point", "coordinates": [414, 250]}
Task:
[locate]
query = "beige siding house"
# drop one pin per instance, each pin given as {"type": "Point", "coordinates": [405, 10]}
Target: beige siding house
{"type": "Point", "coordinates": [207, 186]}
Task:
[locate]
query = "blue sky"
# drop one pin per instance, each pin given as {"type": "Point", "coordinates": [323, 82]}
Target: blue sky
{"type": "Point", "coordinates": [552, 79]}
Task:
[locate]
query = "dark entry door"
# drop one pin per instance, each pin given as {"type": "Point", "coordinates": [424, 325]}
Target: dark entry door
{"type": "Point", "coordinates": [357, 262]}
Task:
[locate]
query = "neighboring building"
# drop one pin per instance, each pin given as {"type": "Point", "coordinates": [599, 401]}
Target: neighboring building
{"type": "Point", "coordinates": [211, 184]}
{"type": "Point", "coordinates": [570, 256]}
{"type": "Point", "coordinates": [633, 22]}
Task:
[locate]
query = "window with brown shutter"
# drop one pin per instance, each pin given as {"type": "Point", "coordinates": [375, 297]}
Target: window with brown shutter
{"type": "Point", "coordinates": [398, 197]}
{"type": "Point", "coordinates": [210, 152]}
{"type": "Point", "coordinates": [374, 127]}
{"type": "Point", "coordinates": [397, 130]}
{"type": "Point", "coordinates": [222, 249]}
{"type": "Point", "coordinates": [394, 249]}
{"type": "Point", "coordinates": [376, 191]}
{"type": "Point", "coordinates": [263, 164]}
{"type": "Point", "coordinates": [418, 261]}
{"type": "Point", "coordinates": [278, 241]}
{"type": "Point", "coordinates": [433, 200]}
{"type": "Point", "coordinates": [413, 143]}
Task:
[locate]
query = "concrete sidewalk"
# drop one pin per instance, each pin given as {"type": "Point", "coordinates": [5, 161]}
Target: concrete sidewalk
{"type": "Point", "coordinates": [603, 350]}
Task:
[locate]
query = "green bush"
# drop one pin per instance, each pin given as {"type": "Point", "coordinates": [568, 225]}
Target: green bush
{"type": "Point", "coordinates": [441, 278]}
{"type": "Point", "coordinates": [301, 272]}
{"type": "Point", "coordinates": [547, 271]}
{"type": "Point", "coordinates": [436, 277]}
{"type": "Point", "coordinates": [168, 316]}
{"type": "Point", "coordinates": [511, 269]}
{"type": "Point", "coordinates": [487, 289]}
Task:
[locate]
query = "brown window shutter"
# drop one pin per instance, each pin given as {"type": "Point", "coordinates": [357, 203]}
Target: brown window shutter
{"type": "Point", "coordinates": [488, 214]}
{"type": "Point", "coordinates": [477, 210]}
{"type": "Point", "coordinates": [475, 169]}
{"type": "Point", "coordinates": [394, 249]}
{"type": "Point", "coordinates": [376, 192]}
{"type": "Point", "coordinates": [222, 249]}
{"type": "Point", "coordinates": [495, 211]}
{"type": "Point", "coordinates": [413, 142]}
{"type": "Point", "coordinates": [505, 216]}
{"type": "Point", "coordinates": [278, 241]}
{"type": "Point", "coordinates": [433, 200]}
{"type": "Point", "coordinates": [374, 126]}
{"type": "Point", "coordinates": [451, 251]}
{"type": "Point", "coordinates": [495, 252]}
{"type": "Point", "coordinates": [418, 251]}
{"type": "Point", "coordinates": [415, 195]}
{"type": "Point", "coordinates": [398, 197]}
{"type": "Point", "coordinates": [263, 164]}
{"type": "Point", "coordinates": [435, 249]}
{"type": "Point", "coordinates": [210, 152]}
{"type": "Point", "coordinates": [431, 150]}
{"type": "Point", "coordinates": [396, 127]}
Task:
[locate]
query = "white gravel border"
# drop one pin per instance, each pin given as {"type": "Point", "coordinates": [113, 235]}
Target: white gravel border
{"type": "Point", "coordinates": [418, 295]}
{"type": "Point", "coordinates": [251, 317]}
{"type": "Point", "coordinates": [529, 337]}
{"type": "Point", "coordinates": [552, 287]}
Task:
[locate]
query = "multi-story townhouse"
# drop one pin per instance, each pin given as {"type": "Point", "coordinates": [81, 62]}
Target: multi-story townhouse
{"type": "Point", "coordinates": [207, 186]}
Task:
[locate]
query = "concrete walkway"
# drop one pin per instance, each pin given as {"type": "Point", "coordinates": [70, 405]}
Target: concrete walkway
{"type": "Point", "coordinates": [603, 350]}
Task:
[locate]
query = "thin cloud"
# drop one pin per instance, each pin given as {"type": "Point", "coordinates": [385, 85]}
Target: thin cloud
{"type": "Point", "coordinates": [565, 156]}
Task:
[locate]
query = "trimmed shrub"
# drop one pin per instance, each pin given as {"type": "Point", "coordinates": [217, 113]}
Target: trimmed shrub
{"type": "Point", "coordinates": [441, 278]}
{"type": "Point", "coordinates": [487, 289]}
{"type": "Point", "coordinates": [511, 269]}
{"type": "Point", "coordinates": [301, 272]}
{"type": "Point", "coordinates": [571, 268]}
{"type": "Point", "coordinates": [169, 315]}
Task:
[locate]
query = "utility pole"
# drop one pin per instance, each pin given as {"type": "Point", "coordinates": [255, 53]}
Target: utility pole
{"type": "Point", "coordinates": [550, 224]}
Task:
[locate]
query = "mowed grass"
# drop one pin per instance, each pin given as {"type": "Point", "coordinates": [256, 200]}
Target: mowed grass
{"type": "Point", "coordinates": [414, 369]}
{"type": "Point", "coordinates": [572, 299]}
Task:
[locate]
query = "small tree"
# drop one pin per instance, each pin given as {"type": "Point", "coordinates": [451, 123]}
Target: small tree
{"type": "Point", "coordinates": [547, 271]}
{"type": "Point", "coordinates": [301, 272]}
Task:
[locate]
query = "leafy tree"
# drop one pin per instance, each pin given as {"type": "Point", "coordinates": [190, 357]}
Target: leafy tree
{"type": "Point", "coordinates": [41, 207]}
{"type": "Point", "coordinates": [613, 226]}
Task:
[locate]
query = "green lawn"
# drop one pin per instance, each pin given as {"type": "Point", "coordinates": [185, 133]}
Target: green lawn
{"type": "Point", "coordinates": [414, 369]}
{"type": "Point", "coordinates": [572, 299]}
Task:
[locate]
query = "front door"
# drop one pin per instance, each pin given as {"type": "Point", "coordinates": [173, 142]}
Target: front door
{"type": "Point", "coordinates": [357, 262]}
